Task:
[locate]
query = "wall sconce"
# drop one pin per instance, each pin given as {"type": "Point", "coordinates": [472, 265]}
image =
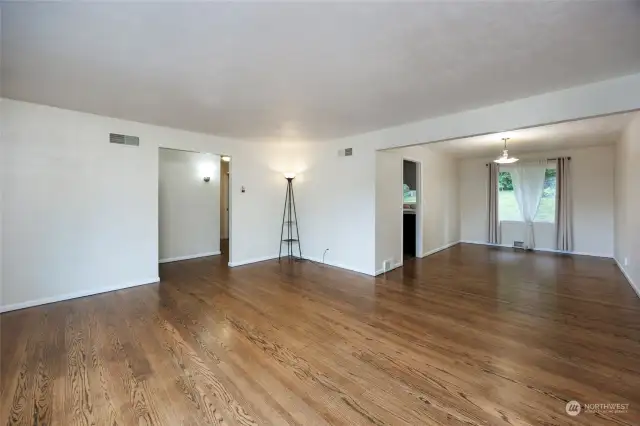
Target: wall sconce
{"type": "Point", "coordinates": [207, 169]}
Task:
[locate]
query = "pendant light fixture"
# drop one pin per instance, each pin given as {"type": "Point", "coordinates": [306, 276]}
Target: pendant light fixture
{"type": "Point", "coordinates": [504, 158]}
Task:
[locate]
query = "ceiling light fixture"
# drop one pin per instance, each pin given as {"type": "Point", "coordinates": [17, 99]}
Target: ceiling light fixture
{"type": "Point", "coordinates": [504, 158]}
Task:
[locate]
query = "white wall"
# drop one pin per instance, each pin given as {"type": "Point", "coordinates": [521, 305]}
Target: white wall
{"type": "Point", "coordinates": [543, 232]}
{"type": "Point", "coordinates": [605, 97]}
{"type": "Point", "coordinates": [593, 209]}
{"type": "Point", "coordinates": [335, 198]}
{"type": "Point", "coordinates": [189, 207]}
{"type": "Point", "coordinates": [627, 203]}
{"type": "Point", "coordinates": [50, 149]}
{"type": "Point", "coordinates": [473, 200]}
{"type": "Point", "coordinates": [440, 206]}
{"type": "Point", "coordinates": [439, 218]}
{"type": "Point", "coordinates": [389, 199]}
{"type": "Point", "coordinates": [86, 211]}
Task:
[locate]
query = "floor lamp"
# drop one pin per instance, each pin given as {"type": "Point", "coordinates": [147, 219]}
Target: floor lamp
{"type": "Point", "coordinates": [290, 221]}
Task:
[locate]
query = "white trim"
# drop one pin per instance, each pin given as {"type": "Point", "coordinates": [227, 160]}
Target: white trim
{"type": "Point", "coordinates": [313, 259]}
{"type": "Point", "coordinates": [382, 271]}
{"type": "Point", "coordinates": [254, 260]}
{"type": "Point", "coordinates": [418, 213]}
{"type": "Point", "coordinates": [626, 275]}
{"type": "Point", "coordinates": [84, 293]}
{"type": "Point", "coordinates": [430, 252]}
{"type": "Point", "coordinates": [483, 243]}
{"type": "Point", "coordinates": [444, 247]}
{"type": "Point", "coordinates": [578, 253]}
{"type": "Point", "coordinates": [337, 265]}
{"type": "Point", "coordinates": [232, 165]}
{"type": "Point", "coordinates": [522, 222]}
{"type": "Point", "coordinates": [190, 256]}
{"type": "Point", "coordinates": [230, 206]}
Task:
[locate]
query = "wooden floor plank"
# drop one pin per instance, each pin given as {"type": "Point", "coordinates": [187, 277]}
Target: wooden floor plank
{"type": "Point", "coordinates": [472, 335]}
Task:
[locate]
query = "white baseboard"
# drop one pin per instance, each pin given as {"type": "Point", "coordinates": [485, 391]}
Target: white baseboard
{"type": "Point", "coordinates": [190, 256]}
{"type": "Point", "coordinates": [337, 265]}
{"type": "Point", "coordinates": [444, 247]}
{"type": "Point", "coordinates": [579, 253]}
{"type": "Point", "coordinates": [482, 243]}
{"type": "Point", "coordinates": [626, 275]}
{"type": "Point", "coordinates": [382, 271]}
{"type": "Point", "coordinates": [430, 252]}
{"type": "Point", "coordinates": [317, 260]}
{"type": "Point", "coordinates": [254, 260]}
{"type": "Point", "coordinates": [69, 296]}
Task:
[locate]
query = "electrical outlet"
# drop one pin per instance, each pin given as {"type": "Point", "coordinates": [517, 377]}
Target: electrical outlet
{"type": "Point", "coordinates": [626, 261]}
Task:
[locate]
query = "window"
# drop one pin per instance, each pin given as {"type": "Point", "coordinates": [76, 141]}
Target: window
{"type": "Point", "coordinates": [410, 196]}
{"type": "Point", "coordinates": [508, 209]}
{"type": "Point", "coordinates": [547, 208]}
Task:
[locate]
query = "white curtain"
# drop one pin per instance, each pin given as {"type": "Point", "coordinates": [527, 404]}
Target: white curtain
{"type": "Point", "coordinates": [528, 184]}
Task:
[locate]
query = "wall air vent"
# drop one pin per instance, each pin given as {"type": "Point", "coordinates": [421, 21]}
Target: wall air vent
{"type": "Point", "coordinates": [124, 139]}
{"type": "Point", "coordinates": [347, 152]}
{"type": "Point", "coordinates": [518, 245]}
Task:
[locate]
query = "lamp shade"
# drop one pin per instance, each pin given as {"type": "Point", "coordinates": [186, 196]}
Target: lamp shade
{"type": "Point", "coordinates": [505, 159]}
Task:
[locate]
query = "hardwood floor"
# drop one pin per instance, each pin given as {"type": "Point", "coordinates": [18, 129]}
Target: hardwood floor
{"type": "Point", "coordinates": [472, 335]}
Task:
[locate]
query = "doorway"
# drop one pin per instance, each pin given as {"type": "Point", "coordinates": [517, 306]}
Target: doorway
{"type": "Point", "coordinates": [225, 163]}
{"type": "Point", "coordinates": [411, 209]}
{"type": "Point", "coordinates": [189, 205]}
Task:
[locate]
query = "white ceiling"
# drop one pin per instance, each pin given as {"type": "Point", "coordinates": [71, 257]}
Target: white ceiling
{"type": "Point", "coordinates": [307, 70]}
{"type": "Point", "coordinates": [573, 134]}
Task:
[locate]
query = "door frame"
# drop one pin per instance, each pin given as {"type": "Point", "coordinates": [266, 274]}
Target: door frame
{"type": "Point", "coordinates": [419, 207]}
{"type": "Point", "coordinates": [230, 195]}
{"type": "Point", "coordinates": [226, 180]}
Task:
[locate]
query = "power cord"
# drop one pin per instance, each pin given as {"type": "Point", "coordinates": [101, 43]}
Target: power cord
{"type": "Point", "coordinates": [306, 259]}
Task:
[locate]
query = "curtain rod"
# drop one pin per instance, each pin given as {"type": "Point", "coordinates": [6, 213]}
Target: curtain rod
{"type": "Point", "coordinates": [548, 159]}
